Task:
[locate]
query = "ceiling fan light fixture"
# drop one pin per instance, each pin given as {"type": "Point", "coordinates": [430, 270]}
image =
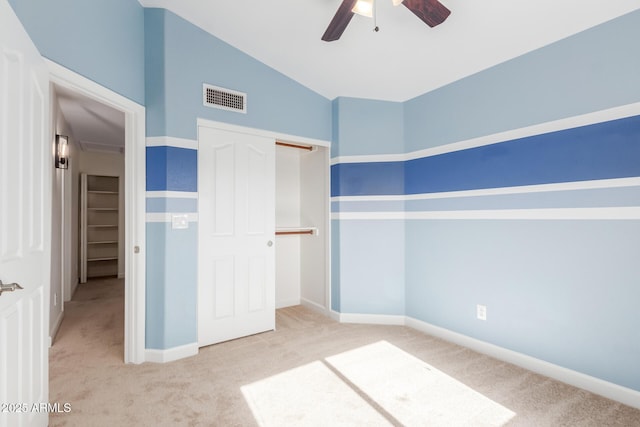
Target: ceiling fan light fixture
{"type": "Point", "coordinates": [364, 8]}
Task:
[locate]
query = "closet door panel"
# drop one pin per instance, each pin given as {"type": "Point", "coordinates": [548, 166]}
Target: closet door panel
{"type": "Point", "coordinates": [256, 190]}
{"type": "Point", "coordinates": [257, 274]}
{"type": "Point", "coordinates": [236, 283]}
{"type": "Point", "coordinates": [223, 197]}
{"type": "Point", "coordinates": [223, 285]}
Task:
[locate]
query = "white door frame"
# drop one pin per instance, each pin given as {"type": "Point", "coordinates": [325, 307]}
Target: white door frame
{"type": "Point", "coordinates": [302, 140]}
{"type": "Point", "coordinates": [135, 187]}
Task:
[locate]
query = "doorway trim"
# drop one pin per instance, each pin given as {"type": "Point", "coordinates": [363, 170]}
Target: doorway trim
{"type": "Point", "coordinates": [135, 186]}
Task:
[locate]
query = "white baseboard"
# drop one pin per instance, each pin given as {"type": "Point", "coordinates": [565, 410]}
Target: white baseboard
{"type": "Point", "coordinates": [603, 388]}
{"type": "Point", "coordinates": [595, 385]}
{"type": "Point", "coordinates": [171, 354]}
{"type": "Point", "coordinates": [287, 303]}
{"type": "Point", "coordinates": [314, 306]}
{"type": "Point", "coordinates": [54, 330]}
{"type": "Point", "coordinates": [334, 315]}
{"type": "Point", "coordinates": [72, 290]}
{"type": "Point", "coordinates": [372, 319]}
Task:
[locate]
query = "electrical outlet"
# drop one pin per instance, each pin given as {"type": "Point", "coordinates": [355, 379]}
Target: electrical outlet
{"type": "Point", "coordinates": [481, 312]}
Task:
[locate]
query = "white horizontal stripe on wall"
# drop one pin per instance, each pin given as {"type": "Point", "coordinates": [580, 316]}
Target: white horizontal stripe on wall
{"type": "Point", "coordinates": [628, 110]}
{"type": "Point", "coordinates": [172, 194]}
{"type": "Point", "coordinates": [617, 213]}
{"type": "Point", "coordinates": [168, 216]}
{"type": "Point", "coordinates": [563, 186]}
{"type": "Point", "coordinates": [169, 141]}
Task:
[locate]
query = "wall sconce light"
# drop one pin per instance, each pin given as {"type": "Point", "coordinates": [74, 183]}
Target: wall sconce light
{"type": "Point", "coordinates": [62, 152]}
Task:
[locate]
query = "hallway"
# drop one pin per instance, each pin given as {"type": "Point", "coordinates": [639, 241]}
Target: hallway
{"type": "Point", "coordinates": [93, 325]}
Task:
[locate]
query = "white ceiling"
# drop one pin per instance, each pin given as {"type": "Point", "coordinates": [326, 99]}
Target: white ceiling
{"type": "Point", "coordinates": [405, 58]}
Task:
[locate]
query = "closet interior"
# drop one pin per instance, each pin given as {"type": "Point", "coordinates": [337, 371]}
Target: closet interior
{"type": "Point", "coordinates": [302, 225]}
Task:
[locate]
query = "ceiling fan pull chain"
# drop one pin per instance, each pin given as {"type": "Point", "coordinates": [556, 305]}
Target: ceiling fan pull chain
{"type": "Point", "coordinates": [375, 16]}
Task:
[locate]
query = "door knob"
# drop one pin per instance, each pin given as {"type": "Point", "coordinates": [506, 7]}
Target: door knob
{"type": "Point", "coordinates": [9, 288]}
{"type": "Point", "coordinates": [270, 243]}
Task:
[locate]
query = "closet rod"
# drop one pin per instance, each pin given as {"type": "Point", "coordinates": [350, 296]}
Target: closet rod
{"type": "Point", "coordinates": [282, 233]}
{"type": "Point", "coordinates": [288, 144]}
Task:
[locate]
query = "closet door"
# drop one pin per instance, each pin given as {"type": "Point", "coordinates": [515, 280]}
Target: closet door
{"type": "Point", "coordinates": [236, 257]}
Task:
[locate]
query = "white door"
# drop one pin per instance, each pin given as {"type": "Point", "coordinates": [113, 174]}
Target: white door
{"type": "Point", "coordinates": [25, 225]}
{"type": "Point", "coordinates": [236, 261]}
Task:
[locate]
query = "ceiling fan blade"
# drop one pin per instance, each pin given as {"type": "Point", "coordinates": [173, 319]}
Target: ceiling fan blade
{"type": "Point", "coordinates": [432, 12]}
{"type": "Point", "coordinates": [340, 21]}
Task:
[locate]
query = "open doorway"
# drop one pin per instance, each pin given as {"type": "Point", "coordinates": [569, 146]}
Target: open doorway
{"type": "Point", "coordinates": [107, 138]}
{"type": "Point", "coordinates": [88, 223]}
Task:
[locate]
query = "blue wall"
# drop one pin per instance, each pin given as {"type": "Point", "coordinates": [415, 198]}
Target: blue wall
{"type": "Point", "coordinates": [161, 61]}
{"type": "Point", "coordinates": [188, 57]}
{"type": "Point", "coordinates": [562, 290]}
{"type": "Point", "coordinates": [367, 257]}
{"type": "Point", "coordinates": [591, 71]}
{"type": "Point", "coordinates": [179, 58]}
{"type": "Point", "coordinates": [364, 126]}
{"type": "Point", "coordinates": [558, 290]}
{"type": "Point", "coordinates": [556, 287]}
{"type": "Point", "coordinates": [101, 40]}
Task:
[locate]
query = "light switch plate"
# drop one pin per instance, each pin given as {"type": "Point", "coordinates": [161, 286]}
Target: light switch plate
{"type": "Point", "coordinates": [179, 221]}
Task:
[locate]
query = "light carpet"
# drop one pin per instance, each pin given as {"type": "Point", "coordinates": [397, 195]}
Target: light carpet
{"type": "Point", "coordinates": [311, 371]}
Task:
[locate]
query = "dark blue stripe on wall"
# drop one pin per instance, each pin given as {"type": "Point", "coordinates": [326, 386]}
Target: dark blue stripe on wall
{"type": "Point", "coordinates": [172, 169]}
{"type": "Point", "coordinates": [600, 151]}
{"type": "Point", "coordinates": [358, 179]}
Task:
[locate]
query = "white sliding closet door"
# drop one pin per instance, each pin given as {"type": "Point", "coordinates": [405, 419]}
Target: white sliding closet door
{"type": "Point", "coordinates": [236, 254]}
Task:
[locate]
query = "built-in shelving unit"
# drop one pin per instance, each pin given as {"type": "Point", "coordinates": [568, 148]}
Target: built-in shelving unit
{"type": "Point", "coordinates": [98, 226]}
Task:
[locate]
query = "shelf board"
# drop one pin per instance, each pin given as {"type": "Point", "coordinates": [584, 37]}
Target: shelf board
{"type": "Point", "coordinates": [103, 209]}
{"type": "Point", "coordinates": [101, 192]}
{"type": "Point", "coordinates": [115, 258]}
{"type": "Point", "coordinates": [102, 226]}
{"type": "Point", "coordinates": [103, 242]}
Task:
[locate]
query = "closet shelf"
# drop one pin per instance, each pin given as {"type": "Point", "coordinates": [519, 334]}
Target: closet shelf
{"type": "Point", "coordinates": [104, 242]}
{"type": "Point", "coordinates": [103, 226]}
{"type": "Point", "coordinates": [296, 230]}
{"type": "Point", "coordinates": [103, 209]}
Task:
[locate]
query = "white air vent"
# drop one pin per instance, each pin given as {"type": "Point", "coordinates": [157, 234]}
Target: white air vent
{"type": "Point", "coordinates": [225, 99]}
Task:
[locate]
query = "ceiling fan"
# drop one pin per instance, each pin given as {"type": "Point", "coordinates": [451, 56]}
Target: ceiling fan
{"type": "Point", "coordinates": [432, 12]}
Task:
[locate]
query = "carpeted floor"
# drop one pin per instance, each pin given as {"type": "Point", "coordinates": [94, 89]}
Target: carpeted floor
{"type": "Point", "coordinates": [312, 371]}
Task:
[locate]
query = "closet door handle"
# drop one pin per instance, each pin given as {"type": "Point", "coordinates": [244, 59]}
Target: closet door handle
{"type": "Point", "coordinates": [270, 243]}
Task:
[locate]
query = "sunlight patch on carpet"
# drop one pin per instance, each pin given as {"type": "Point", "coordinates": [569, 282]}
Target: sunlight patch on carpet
{"type": "Point", "coordinates": [308, 395]}
{"type": "Point", "coordinates": [374, 385]}
{"type": "Point", "coordinates": [414, 392]}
